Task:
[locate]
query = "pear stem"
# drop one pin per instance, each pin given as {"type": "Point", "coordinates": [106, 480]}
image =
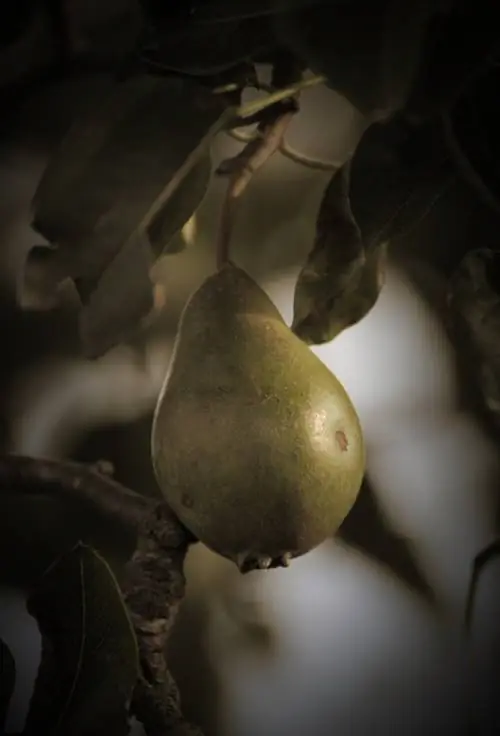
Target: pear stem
{"type": "Point", "coordinates": [240, 170]}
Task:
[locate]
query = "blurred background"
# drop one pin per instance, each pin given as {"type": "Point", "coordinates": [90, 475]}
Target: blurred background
{"type": "Point", "coordinates": [363, 635]}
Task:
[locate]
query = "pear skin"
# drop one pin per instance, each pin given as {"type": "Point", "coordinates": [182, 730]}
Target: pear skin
{"type": "Point", "coordinates": [255, 444]}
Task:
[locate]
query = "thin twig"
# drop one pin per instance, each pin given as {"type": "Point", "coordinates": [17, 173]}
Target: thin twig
{"type": "Point", "coordinates": [289, 152]}
{"type": "Point", "coordinates": [241, 169]}
{"type": "Point", "coordinates": [251, 108]}
{"type": "Point", "coordinates": [71, 481]}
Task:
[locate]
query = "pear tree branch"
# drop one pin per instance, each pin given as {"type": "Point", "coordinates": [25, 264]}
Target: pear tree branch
{"type": "Point", "coordinates": [153, 583]}
{"type": "Point", "coordinates": [286, 150]}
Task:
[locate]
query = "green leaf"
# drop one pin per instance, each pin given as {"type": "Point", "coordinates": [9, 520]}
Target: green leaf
{"type": "Point", "coordinates": [7, 681]}
{"type": "Point", "coordinates": [113, 175]}
{"type": "Point", "coordinates": [341, 279]}
{"type": "Point", "coordinates": [89, 663]}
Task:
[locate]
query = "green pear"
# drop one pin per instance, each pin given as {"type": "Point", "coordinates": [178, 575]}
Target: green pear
{"type": "Point", "coordinates": [255, 444]}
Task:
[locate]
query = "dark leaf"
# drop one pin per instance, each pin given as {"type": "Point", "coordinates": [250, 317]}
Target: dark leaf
{"type": "Point", "coordinates": [179, 208]}
{"type": "Point", "coordinates": [369, 50]}
{"type": "Point", "coordinates": [220, 11]}
{"type": "Point", "coordinates": [27, 58]}
{"type": "Point", "coordinates": [490, 553]}
{"type": "Point", "coordinates": [112, 176]}
{"type": "Point", "coordinates": [117, 302]}
{"type": "Point", "coordinates": [7, 681]}
{"type": "Point", "coordinates": [481, 638]}
{"type": "Point", "coordinates": [471, 134]}
{"type": "Point", "coordinates": [474, 297]}
{"type": "Point", "coordinates": [14, 20]}
{"type": "Point", "coordinates": [462, 42]}
{"type": "Point", "coordinates": [341, 279]}
{"type": "Point", "coordinates": [398, 173]}
{"type": "Point", "coordinates": [206, 49]}
{"type": "Point", "coordinates": [89, 663]}
{"type": "Point", "coordinates": [172, 13]}
{"type": "Point", "coordinates": [101, 33]}
{"type": "Point", "coordinates": [43, 287]}
{"type": "Point", "coordinates": [36, 529]}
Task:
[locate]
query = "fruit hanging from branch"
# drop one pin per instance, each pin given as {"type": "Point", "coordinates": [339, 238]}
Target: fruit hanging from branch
{"type": "Point", "coordinates": [255, 443]}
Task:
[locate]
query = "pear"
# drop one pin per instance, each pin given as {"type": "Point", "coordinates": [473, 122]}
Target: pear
{"type": "Point", "coordinates": [255, 443]}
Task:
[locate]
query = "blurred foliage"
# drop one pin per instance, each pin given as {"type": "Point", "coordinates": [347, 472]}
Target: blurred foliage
{"type": "Point", "coordinates": [111, 203]}
{"type": "Point", "coordinates": [89, 664]}
{"type": "Point", "coordinates": [7, 681]}
{"type": "Point", "coordinates": [474, 296]}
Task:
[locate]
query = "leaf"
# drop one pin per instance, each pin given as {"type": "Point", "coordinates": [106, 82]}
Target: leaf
{"type": "Point", "coordinates": [89, 663]}
{"type": "Point", "coordinates": [27, 57]}
{"type": "Point", "coordinates": [341, 279]}
{"type": "Point", "coordinates": [220, 11]}
{"type": "Point", "coordinates": [37, 529]}
{"type": "Point", "coordinates": [208, 48]}
{"type": "Point", "coordinates": [14, 20]}
{"type": "Point", "coordinates": [369, 50]}
{"type": "Point", "coordinates": [398, 173]}
{"type": "Point", "coordinates": [109, 31]}
{"type": "Point", "coordinates": [464, 40]}
{"type": "Point", "coordinates": [474, 298]}
{"type": "Point", "coordinates": [488, 554]}
{"type": "Point", "coordinates": [396, 177]}
{"type": "Point", "coordinates": [113, 175]}
{"type": "Point", "coordinates": [7, 681]}
{"type": "Point", "coordinates": [471, 134]}
{"type": "Point", "coordinates": [179, 208]}
{"type": "Point", "coordinates": [118, 301]}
